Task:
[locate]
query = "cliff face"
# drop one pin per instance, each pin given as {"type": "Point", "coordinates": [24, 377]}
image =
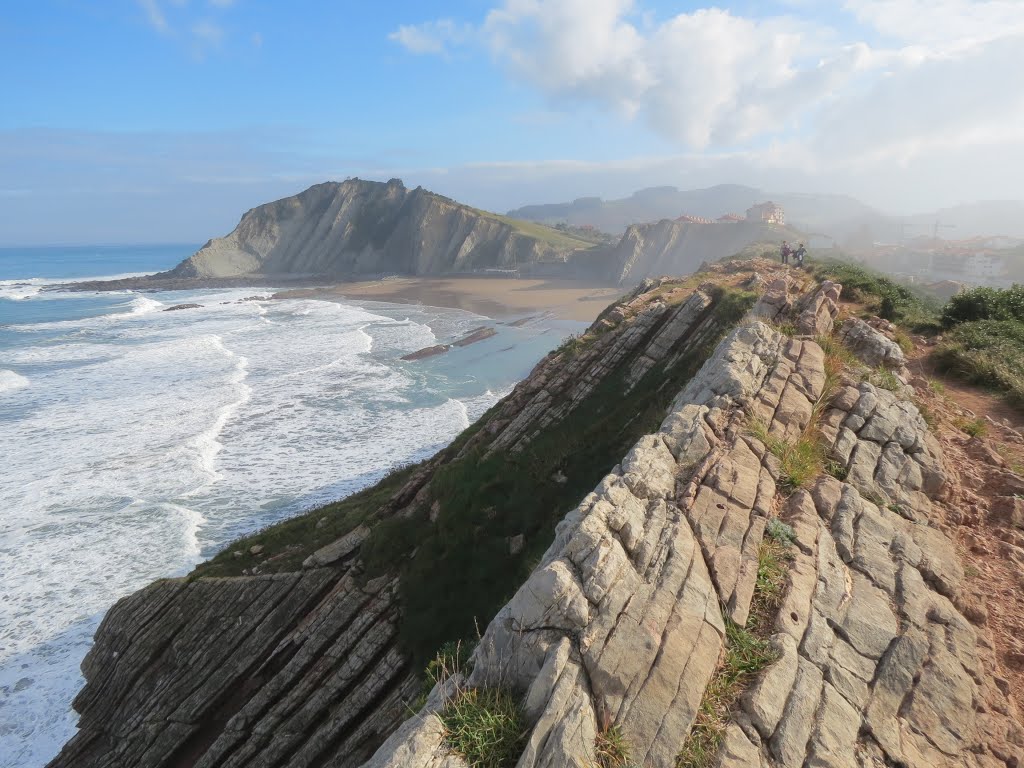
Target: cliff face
{"type": "Point", "coordinates": [670, 247]}
{"type": "Point", "coordinates": [363, 227]}
{"type": "Point", "coordinates": [301, 649]}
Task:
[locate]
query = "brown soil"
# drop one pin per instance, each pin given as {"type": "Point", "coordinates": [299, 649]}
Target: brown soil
{"type": "Point", "coordinates": [985, 473]}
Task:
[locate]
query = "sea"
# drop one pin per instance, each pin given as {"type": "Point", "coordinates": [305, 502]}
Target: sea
{"type": "Point", "coordinates": [136, 442]}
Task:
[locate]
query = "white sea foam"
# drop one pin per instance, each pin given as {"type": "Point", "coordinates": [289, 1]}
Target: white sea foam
{"type": "Point", "coordinates": [149, 440]}
{"type": "Point", "coordinates": [11, 381]}
{"type": "Point", "coordinates": [32, 287]}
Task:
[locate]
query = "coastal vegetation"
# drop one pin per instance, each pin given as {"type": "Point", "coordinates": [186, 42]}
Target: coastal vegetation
{"type": "Point", "coordinates": [984, 341]}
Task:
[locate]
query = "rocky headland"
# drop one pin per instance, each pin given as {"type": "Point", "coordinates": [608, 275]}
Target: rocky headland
{"type": "Point", "coordinates": [714, 530]}
{"type": "Point", "coordinates": [341, 231]}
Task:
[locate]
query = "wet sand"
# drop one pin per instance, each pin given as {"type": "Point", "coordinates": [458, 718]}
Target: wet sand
{"type": "Point", "coordinates": [495, 297]}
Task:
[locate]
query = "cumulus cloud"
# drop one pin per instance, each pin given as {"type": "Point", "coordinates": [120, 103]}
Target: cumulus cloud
{"type": "Point", "coordinates": [931, 73]}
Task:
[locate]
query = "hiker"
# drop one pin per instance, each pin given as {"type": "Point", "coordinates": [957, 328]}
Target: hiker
{"type": "Point", "coordinates": [785, 252]}
{"type": "Point", "coordinates": [800, 253]}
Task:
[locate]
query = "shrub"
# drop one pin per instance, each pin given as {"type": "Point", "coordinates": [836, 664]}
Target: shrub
{"type": "Point", "coordinates": [780, 532]}
{"type": "Point", "coordinates": [882, 295]}
{"type": "Point", "coordinates": [984, 304]}
{"type": "Point", "coordinates": [485, 726]}
{"type": "Point", "coordinates": [987, 352]}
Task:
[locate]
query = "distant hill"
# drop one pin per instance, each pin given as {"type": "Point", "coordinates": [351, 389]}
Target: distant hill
{"type": "Point", "coordinates": [808, 212]}
{"type": "Point", "coordinates": [358, 227]}
{"type": "Point", "coordinates": [840, 216]}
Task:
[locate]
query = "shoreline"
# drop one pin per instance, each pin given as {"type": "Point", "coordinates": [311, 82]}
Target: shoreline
{"type": "Point", "coordinates": [498, 298]}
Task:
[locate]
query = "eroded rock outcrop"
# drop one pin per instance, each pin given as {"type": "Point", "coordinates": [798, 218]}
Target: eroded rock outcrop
{"type": "Point", "coordinates": [623, 621]}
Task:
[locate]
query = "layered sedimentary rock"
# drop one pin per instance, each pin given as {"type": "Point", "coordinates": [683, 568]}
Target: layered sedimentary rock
{"type": "Point", "coordinates": [304, 669]}
{"type": "Point", "coordinates": [623, 621]}
{"type": "Point", "coordinates": [670, 247]}
{"type": "Point", "coordinates": [360, 227]}
{"type": "Point", "coordinates": [622, 624]}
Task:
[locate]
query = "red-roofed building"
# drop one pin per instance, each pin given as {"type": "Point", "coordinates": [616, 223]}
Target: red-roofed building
{"type": "Point", "coordinates": [730, 218]}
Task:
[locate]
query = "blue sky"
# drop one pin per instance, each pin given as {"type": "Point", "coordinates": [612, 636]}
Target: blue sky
{"type": "Point", "coordinates": [163, 120]}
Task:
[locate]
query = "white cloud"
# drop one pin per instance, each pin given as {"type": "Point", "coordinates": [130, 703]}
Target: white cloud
{"type": "Point", "coordinates": [937, 75]}
{"type": "Point", "coordinates": [431, 36]}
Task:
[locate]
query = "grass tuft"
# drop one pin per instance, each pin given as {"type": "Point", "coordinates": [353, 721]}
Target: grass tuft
{"type": "Point", "coordinates": [883, 378]}
{"type": "Point", "coordinates": [801, 460]}
{"type": "Point", "coordinates": [485, 726]}
{"type": "Point", "coordinates": [747, 653]}
{"type": "Point", "coordinates": [613, 751]}
{"type": "Point", "coordinates": [972, 427]}
{"type": "Point", "coordinates": [837, 470]}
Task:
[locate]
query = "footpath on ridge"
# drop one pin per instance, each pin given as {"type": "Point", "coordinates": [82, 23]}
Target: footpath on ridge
{"type": "Point", "coordinates": [777, 567]}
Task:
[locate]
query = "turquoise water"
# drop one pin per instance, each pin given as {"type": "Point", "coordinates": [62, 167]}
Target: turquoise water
{"type": "Point", "coordinates": [137, 442]}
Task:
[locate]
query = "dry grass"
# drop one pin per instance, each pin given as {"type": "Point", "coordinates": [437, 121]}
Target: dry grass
{"type": "Point", "coordinates": [747, 654]}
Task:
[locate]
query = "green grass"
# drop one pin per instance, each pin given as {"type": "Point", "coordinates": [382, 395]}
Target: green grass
{"type": "Point", "coordinates": [882, 296]}
{"type": "Point", "coordinates": [984, 304]}
{"type": "Point", "coordinates": [986, 352]}
{"type": "Point", "coordinates": [612, 749]}
{"type": "Point", "coordinates": [747, 653]}
{"type": "Point", "coordinates": [457, 571]}
{"type": "Point", "coordinates": [801, 459]}
{"type": "Point", "coordinates": [838, 352]}
{"type": "Point", "coordinates": [972, 427]}
{"type": "Point", "coordinates": [485, 726]}
{"type": "Point", "coordinates": [292, 541]}
{"type": "Point", "coordinates": [884, 378]}
{"type": "Point", "coordinates": [553, 237]}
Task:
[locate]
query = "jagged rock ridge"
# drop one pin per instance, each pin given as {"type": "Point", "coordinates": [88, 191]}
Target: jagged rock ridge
{"type": "Point", "coordinates": [622, 622]}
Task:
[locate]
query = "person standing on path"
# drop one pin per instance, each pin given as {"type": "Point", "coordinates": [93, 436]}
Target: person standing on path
{"type": "Point", "coordinates": [800, 253]}
{"type": "Point", "coordinates": [785, 251]}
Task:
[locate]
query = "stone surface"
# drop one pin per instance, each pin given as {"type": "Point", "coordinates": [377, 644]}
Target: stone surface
{"type": "Point", "coordinates": [870, 345]}
{"type": "Point", "coordinates": [622, 622]}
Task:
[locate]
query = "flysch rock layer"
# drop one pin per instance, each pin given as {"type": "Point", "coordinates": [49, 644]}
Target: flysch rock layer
{"type": "Point", "coordinates": [622, 623]}
{"type": "Point", "coordinates": [304, 669]}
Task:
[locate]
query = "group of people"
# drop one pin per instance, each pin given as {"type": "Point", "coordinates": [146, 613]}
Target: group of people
{"type": "Point", "coordinates": [797, 253]}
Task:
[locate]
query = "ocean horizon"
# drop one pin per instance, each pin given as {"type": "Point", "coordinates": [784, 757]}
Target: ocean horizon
{"type": "Point", "coordinates": [139, 442]}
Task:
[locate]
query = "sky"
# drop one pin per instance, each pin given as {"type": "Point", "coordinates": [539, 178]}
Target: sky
{"type": "Point", "coordinates": [164, 120]}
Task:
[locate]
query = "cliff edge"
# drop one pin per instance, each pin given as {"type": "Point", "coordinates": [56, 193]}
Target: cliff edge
{"type": "Point", "coordinates": [697, 535]}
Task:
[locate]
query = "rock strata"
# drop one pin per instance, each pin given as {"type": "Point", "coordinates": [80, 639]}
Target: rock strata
{"type": "Point", "coordinates": [622, 623]}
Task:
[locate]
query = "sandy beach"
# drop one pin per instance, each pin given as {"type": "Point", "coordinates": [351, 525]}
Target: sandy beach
{"type": "Point", "coordinates": [495, 297]}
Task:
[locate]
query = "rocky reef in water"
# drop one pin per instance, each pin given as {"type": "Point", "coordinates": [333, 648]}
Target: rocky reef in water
{"type": "Point", "coordinates": [605, 534]}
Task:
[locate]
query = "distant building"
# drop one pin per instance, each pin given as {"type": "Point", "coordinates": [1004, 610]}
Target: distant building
{"type": "Point", "coordinates": [767, 213]}
{"type": "Point", "coordinates": [687, 219]}
{"type": "Point", "coordinates": [730, 218]}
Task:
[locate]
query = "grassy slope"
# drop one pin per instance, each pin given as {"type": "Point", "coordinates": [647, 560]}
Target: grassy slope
{"type": "Point", "coordinates": [458, 571]}
{"type": "Point", "coordinates": [983, 341]}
